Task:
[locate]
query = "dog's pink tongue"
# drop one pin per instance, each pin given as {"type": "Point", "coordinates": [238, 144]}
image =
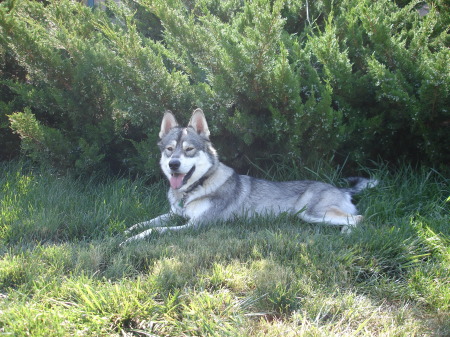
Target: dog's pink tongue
{"type": "Point", "coordinates": [176, 180]}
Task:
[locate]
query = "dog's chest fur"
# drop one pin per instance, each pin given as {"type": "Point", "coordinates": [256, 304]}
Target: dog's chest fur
{"type": "Point", "coordinates": [194, 203]}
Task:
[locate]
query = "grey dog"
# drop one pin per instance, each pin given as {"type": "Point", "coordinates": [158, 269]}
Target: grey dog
{"type": "Point", "coordinates": [204, 190]}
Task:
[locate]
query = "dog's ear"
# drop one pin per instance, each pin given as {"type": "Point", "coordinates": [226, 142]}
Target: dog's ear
{"type": "Point", "coordinates": [168, 122]}
{"type": "Point", "coordinates": [198, 122]}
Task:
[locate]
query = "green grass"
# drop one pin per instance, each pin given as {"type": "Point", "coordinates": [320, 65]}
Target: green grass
{"type": "Point", "coordinates": [62, 272]}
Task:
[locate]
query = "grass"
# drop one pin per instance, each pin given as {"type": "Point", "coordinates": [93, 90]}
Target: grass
{"type": "Point", "coordinates": [62, 272]}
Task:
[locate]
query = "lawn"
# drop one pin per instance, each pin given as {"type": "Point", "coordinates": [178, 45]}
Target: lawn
{"type": "Point", "coordinates": [63, 273]}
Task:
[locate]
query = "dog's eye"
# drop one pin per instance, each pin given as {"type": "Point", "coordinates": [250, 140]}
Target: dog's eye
{"type": "Point", "coordinates": [189, 148]}
{"type": "Point", "coordinates": [169, 148]}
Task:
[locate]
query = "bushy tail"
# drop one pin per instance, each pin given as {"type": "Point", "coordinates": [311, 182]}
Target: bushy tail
{"type": "Point", "coordinates": [360, 184]}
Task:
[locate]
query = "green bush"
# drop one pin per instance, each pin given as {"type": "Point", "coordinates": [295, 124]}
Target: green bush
{"type": "Point", "coordinates": [306, 80]}
{"type": "Point", "coordinates": [93, 84]}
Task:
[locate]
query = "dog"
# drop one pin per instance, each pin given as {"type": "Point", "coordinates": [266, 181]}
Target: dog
{"type": "Point", "coordinates": [204, 190]}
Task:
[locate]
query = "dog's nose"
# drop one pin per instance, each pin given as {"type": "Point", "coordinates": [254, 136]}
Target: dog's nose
{"type": "Point", "coordinates": [174, 164]}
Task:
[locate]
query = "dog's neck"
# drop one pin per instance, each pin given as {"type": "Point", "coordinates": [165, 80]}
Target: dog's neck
{"type": "Point", "coordinates": [202, 185]}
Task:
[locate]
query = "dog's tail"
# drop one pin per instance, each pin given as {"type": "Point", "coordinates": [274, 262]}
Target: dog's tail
{"type": "Point", "coordinates": [359, 184]}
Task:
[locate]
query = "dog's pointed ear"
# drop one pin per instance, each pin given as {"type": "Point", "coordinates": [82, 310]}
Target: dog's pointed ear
{"type": "Point", "coordinates": [198, 122]}
{"type": "Point", "coordinates": [168, 122]}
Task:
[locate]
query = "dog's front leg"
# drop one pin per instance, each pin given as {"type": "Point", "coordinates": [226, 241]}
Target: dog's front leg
{"type": "Point", "coordinates": [190, 224]}
{"type": "Point", "coordinates": [139, 236]}
{"type": "Point", "coordinates": [156, 222]}
{"type": "Point", "coordinates": [144, 234]}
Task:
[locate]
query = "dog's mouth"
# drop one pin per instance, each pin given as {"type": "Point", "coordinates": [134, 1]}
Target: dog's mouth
{"type": "Point", "coordinates": [176, 180]}
{"type": "Point", "coordinates": [179, 179]}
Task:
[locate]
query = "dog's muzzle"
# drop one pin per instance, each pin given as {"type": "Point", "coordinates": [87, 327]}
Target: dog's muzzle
{"type": "Point", "coordinates": [178, 179]}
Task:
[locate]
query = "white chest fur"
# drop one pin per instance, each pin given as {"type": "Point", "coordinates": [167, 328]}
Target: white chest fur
{"type": "Point", "coordinates": [196, 203]}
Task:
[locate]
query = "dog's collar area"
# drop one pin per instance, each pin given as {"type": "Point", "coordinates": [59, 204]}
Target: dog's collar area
{"type": "Point", "coordinates": [190, 189]}
{"type": "Point", "coordinates": [188, 175]}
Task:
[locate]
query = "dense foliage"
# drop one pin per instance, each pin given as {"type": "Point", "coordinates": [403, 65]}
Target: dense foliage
{"type": "Point", "coordinates": [86, 88]}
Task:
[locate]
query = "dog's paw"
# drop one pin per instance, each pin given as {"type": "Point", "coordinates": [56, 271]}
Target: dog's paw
{"type": "Point", "coordinates": [138, 237]}
{"type": "Point", "coordinates": [124, 243]}
{"type": "Point", "coordinates": [358, 218]}
{"type": "Point", "coordinates": [127, 231]}
{"type": "Point", "coordinates": [130, 230]}
{"type": "Point", "coordinates": [355, 219]}
{"type": "Point", "coordinates": [347, 229]}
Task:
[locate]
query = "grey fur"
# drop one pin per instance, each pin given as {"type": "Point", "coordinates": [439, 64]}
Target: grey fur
{"type": "Point", "coordinates": [204, 190]}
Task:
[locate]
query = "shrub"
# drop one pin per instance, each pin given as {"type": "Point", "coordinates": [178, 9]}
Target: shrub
{"type": "Point", "coordinates": [303, 79]}
{"type": "Point", "coordinates": [93, 86]}
{"type": "Point", "coordinates": [395, 97]}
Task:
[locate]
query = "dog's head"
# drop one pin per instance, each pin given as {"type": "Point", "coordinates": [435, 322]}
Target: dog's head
{"type": "Point", "coordinates": [186, 153]}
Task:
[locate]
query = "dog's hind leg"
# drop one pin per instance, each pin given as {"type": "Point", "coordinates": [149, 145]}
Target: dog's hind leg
{"type": "Point", "coordinates": [334, 216]}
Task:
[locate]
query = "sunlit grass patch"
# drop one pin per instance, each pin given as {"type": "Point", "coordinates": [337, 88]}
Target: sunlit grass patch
{"type": "Point", "coordinates": [62, 271]}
